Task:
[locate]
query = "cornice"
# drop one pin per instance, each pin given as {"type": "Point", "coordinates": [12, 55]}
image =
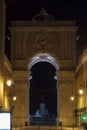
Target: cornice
{"type": "Point", "coordinates": [47, 25]}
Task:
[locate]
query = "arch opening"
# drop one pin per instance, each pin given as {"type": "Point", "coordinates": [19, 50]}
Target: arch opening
{"type": "Point", "coordinates": [43, 57]}
{"type": "Point", "coordinates": [43, 91]}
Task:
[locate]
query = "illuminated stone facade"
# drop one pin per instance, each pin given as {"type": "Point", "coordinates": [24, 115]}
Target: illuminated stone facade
{"type": "Point", "coordinates": [5, 66]}
{"type": "Point", "coordinates": [81, 85]}
{"type": "Point", "coordinates": [31, 39]}
{"type": "Point", "coordinates": [35, 41]}
{"type": "Point", "coordinates": [2, 45]}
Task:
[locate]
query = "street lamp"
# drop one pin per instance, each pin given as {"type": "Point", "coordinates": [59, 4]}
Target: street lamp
{"type": "Point", "coordinates": [72, 98]}
{"type": "Point", "coordinates": [14, 98]}
{"type": "Point", "coordinates": [81, 91]}
{"type": "Point", "coordinates": [9, 82]}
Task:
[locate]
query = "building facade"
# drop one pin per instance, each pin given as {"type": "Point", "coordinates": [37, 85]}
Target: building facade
{"type": "Point", "coordinates": [2, 44]}
{"type": "Point", "coordinates": [43, 40]}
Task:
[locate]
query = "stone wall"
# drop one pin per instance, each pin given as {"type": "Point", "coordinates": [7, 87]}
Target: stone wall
{"type": "Point", "coordinates": [56, 38]}
{"type": "Point", "coordinates": [2, 47]}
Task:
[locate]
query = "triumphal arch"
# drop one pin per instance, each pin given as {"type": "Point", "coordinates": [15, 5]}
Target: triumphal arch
{"type": "Point", "coordinates": [50, 45]}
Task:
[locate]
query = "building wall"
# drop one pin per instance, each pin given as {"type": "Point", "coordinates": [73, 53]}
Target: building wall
{"type": "Point", "coordinates": [7, 75]}
{"type": "Point", "coordinates": [56, 38]}
{"type": "Point", "coordinates": [81, 84]}
{"type": "Point", "coordinates": [2, 45]}
{"type": "Point", "coordinates": [67, 90]}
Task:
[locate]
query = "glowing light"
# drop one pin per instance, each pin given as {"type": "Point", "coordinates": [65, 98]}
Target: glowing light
{"type": "Point", "coordinates": [80, 91]}
{"type": "Point", "coordinates": [9, 82]}
{"type": "Point", "coordinates": [83, 118]}
{"type": "Point", "coordinates": [72, 98]}
{"type": "Point", "coordinates": [1, 91]}
{"type": "Point", "coordinates": [14, 98]}
{"type": "Point", "coordinates": [6, 102]}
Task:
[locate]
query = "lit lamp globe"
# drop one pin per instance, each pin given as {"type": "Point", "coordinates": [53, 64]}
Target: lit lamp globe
{"type": "Point", "coordinates": [14, 98]}
{"type": "Point", "coordinates": [80, 91]}
{"type": "Point", "coordinates": [72, 98]}
{"type": "Point", "coordinates": [9, 82]}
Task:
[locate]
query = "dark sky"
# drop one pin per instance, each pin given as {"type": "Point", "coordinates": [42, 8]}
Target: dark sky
{"type": "Point", "coordinates": [61, 9]}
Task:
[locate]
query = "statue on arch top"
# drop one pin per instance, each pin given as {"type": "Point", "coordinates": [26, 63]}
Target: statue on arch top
{"type": "Point", "coordinates": [43, 16]}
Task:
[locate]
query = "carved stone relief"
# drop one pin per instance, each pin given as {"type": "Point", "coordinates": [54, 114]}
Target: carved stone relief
{"type": "Point", "coordinates": [43, 41]}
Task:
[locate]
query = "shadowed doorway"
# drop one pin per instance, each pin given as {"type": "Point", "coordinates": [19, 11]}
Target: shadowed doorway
{"type": "Point", "coordinates": [43, 94]}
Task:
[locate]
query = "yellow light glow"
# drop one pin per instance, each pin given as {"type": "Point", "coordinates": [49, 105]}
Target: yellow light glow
{"type": "Point", "coordinates": [81, 103]}
{"type": "Point", "coordinates": [6, 102]}
{"type": "Point", "coordinates": [14, 98]}
{"type": "Point", "coordinates": [1, 91]}
{"type": "Point", "coordinates": [9, 82]}
{"type": "Point", "coordinates": [72, 98]}
{"type": "Point", "coordinates": [80, 91]}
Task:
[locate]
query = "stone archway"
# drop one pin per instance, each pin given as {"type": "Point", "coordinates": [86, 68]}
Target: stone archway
{"type": "Point", "coordinates": [45, 58]}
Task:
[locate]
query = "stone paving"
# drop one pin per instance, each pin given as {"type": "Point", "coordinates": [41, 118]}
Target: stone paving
{"type": "Point", "coordinates": [47, 128]}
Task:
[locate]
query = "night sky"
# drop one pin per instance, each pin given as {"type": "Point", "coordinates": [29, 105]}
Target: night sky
{"type": "Point", "coordinates": [61, 9]}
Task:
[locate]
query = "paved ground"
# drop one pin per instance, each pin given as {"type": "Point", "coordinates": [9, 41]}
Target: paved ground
{"type": "Point", "coordinates": [47, 128]}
